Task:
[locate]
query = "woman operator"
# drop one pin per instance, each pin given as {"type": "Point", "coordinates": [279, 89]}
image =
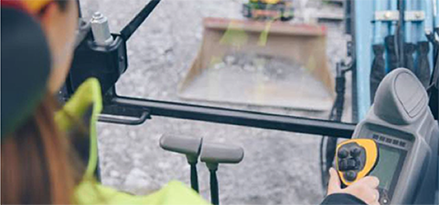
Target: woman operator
{"type": "Point", "coordinates": [39, 165]}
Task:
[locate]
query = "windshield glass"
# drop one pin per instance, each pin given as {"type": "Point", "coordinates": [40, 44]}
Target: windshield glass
{"type": "Point", "coordinates": [211, 52]}
{"type": "Point", "coordinates": [216, 53]}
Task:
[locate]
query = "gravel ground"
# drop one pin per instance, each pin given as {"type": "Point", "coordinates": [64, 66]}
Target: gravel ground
{"type": "Point", "coordinates": [278, 167]}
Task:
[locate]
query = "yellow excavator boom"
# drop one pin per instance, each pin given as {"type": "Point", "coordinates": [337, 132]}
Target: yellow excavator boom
{"type": "Point", "coordinates": [266, 1]}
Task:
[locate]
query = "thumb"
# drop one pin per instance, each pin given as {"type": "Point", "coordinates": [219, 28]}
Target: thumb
{"type": "Point", "coordinates": [334, 182]}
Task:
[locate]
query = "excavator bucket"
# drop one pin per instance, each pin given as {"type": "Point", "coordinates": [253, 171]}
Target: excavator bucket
{"type": "Point", "coordinates": [261, 63]}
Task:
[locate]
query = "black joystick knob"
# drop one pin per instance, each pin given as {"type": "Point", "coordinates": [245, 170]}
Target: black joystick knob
{"type": "Point", "coordinates": [343, 165]}
{"type": "Point", "coordinates": [350, 175]}
{"type": "Point", "coordinates": [355, 152]}
{"type": "Point", "coordinates": [343, 153]}
{"type": "Point", "coordinates": [351, 164]}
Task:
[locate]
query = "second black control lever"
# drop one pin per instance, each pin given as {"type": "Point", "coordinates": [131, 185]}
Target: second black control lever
{"type": "Point", "coordinates": [215, 154]}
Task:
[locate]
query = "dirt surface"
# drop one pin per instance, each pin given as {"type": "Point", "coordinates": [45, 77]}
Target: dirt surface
{"type": "Point", "coordinates": [278, 167]}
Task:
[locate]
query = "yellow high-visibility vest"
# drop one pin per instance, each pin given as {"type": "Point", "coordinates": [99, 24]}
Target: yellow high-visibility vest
{"type": "Point", "coordinates": [90, 191]}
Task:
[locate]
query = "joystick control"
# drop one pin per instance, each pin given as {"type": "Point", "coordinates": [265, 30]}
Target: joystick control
{"type": "Point", "coordinates": [356, 158]}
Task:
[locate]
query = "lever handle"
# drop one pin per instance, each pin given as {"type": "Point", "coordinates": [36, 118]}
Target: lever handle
{"type": "Point", "coordinates": [214, 154]}
{"type": "Point", "coordinates": [190, 146]}
{"type": "Point", "coordinates": [218, 153]}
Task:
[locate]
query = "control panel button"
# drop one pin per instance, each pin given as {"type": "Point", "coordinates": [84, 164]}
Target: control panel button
{"type": "Point", "coordinates": [375, 136]}
{"type": "Point", "coordinates": [350, 175]}
{"type": "Point", "coordinates": [355, 151]}
{"type": "Point", "coordinates": [351, 164]}
{"type": "Point", "coordinates": [343, 165]}
{"type": "Point", "coordinates": [343, 153]}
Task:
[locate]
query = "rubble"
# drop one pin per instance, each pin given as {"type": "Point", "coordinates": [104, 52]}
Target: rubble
{"type": "Point", "coordinates": [272, 68]}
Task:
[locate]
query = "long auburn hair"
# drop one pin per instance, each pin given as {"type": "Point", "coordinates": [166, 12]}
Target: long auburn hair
{"type": "Point", "coordinates": [37, 162]}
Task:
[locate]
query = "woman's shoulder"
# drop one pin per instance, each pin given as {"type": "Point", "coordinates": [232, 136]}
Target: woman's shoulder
{"type": "Point", "coordinates": [174, 192]}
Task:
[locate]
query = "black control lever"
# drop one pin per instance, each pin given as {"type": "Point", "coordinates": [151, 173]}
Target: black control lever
{"type": "Point", "coordinates": [189, 146]}
{"type": "Point", "coordinates": [215, 154]}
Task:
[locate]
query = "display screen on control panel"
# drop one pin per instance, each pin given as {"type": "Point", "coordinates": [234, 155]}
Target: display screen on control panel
{"type": "Point", "coordinates": [388, 168]}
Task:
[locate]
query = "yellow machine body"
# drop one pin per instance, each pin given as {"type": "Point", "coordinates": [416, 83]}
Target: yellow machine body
{"type": "Point", "coordinates": [266, 1]}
